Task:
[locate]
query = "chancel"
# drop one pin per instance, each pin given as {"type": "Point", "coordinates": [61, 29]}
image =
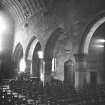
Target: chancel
{"type": "Point", "coordinates": [52, 52]}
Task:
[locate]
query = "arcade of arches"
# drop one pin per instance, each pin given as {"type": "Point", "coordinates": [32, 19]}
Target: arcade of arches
{"type": "Point", "coordinates": [55, 40]}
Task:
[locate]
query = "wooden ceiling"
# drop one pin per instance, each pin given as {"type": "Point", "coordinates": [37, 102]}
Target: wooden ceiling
{"type": "Point", "coordinates": [21, 10]}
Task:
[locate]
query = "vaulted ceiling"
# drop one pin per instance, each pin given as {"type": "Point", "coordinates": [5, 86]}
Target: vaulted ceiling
{"type": "Point", "coordinates": [21, 10]}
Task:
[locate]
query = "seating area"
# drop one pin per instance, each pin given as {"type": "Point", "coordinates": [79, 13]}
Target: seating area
{"type": "Point", "coordinates": [52, 52]}
{"type": "Point", "coordinates": [8, 97]}
{"type": "Point", "coordinates": [31, 93]}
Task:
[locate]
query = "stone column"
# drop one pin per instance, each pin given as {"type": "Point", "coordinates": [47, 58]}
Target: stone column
{"type": "Point", "coordinates": [28, 67]}
{"type": "Point", "coordinates": [42, 71]}
{"type": "Point", "coordinates": [48, 67]}
{"type": "Point", "coordinates": [80, 71]}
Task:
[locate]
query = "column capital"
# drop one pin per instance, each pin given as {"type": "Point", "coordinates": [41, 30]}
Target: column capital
{"type": "Point", "coordinates": [80, 57]}
{"type": "Point", "coordinates": [81, 62]}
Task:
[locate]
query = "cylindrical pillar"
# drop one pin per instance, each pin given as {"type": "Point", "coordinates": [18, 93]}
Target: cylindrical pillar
{"type": "Point", "coordinates": [42, 71]}
{"type": "Point", "coordinates": [48, 69]}
{"type": "Point", "coordinates": [81, 70]}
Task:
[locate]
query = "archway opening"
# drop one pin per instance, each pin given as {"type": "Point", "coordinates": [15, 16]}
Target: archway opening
{"type": "Point", "coordinates": [58, 50]}
{"type": "Point", "coordinates": [92, 47]}
{"type": "Point", "coordinates": [36, 61]}
{"type": "Point", "coordinates": [17, 56]}
{"type": "Point", "coordinates": [34, 56]}
{"type": "Point", "coordinates": [96, 56]}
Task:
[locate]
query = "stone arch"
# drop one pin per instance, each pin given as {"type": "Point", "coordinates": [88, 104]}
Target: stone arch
{"type": "Point", "coordinates": [82, 57]}
{"type": "Point", "coordinates": [18, 52]}
{"type": "Point", "coordinates": [30, 48]}
{"type": "Point", "coordinates": [51, 42]}
{"type": "Point", "coordinates": [89, 31]}
{"type": "Point", "coordinates": [17, 55]}
{"type": "Point", "coordinates": [31, 56]}
{"type": "Point", "coordinates": [58, 47]}
{"type": "Point", "coordinates": [48, 52]}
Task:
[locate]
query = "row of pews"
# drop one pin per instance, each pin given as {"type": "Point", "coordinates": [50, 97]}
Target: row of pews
{"type": "Point", "coordinates": [21, 92]}
{"type": "Point", "coordinates": [7, 97]}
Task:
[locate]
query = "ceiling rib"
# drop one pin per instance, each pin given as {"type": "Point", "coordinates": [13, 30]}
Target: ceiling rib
{"type": "Point", "coordinates": [21, 10]}
{"type": "Point", "coordinates": [30, 8]}
{"type": "Point", "coordinates": [34, 6]}
{"type": "Point", "coordinates": [19, 13]}
{"type": "Point", "coordinates": [14, 10]}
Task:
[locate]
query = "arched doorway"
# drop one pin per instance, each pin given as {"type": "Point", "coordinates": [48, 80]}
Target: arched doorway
{"type": "Point", "coordinates": [58, 50]}
{"type": "Point", "coordinates": [92, 45]}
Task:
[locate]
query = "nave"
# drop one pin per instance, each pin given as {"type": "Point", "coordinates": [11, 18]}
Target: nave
{"type": "Point", "coordinates": [32, 92]}
{"type": "Point", "coordinates": [52, 52]}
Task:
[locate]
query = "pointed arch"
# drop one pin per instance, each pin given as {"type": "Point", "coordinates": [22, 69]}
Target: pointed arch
{"type": "Point", "coordinates": [49, 50]}
{"type": "Point", "coordinates": [30, 48]}
{"type": "Point", "coordinates": [18, 52]}
{"type": "Point", "coordinates": [51, 42]}
{"type": "Point", "coordinates": [31, 57]}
